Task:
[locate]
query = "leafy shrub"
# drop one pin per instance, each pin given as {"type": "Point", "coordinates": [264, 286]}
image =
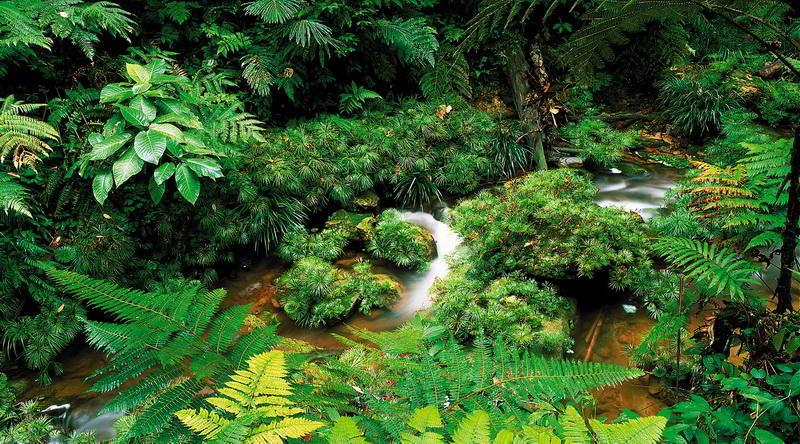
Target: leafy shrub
{"type": "Point", "coordinates": [327, 244]}
{"type": "Point", "coordinates": [546, 224]}
{"type": "Point", "coordinates": [780, 103]}
{"type": "Point", "coordinates": [598, 141]}
{"type": "Point", "coordinates": [738, 127]}
{"type": "Point", "coordinates": [695, 101]}
{"type": "Point", "coordinates": [315, 293]}
{"type": "Point", "coordinates": [512, 306]}
{"type": "Point", "coordinates": [400, 242]}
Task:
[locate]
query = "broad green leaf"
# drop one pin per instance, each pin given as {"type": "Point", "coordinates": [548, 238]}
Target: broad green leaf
{"type": "Point", "coordinates": [168, 130]}
{"type": "Point", "coordinates": [156, 190]}
{"type": "Point", "coordinates": [145, 106]}
{"type": "Point", "coordinates": [126, 166]}
{"type": "Point", "coordinates": [174, 148]}
{"type": "Point", "coordinates": [138, 73]}
{"type": "Point", "coordinates": [114, 125]}
{"type": "Point", "coordinates": [150, 146]}
{"type": "Point", "coordinates": [193, 140]}
{"type": "Point", "coordinates": [101, 186]}
{"type": "Point", "coordinates": [188, 183]}
{"type": "Point", "coordinates": [134, 116]}
{"type": "Point", "coordinates": [140, 88]}
{"type": "Point", "coordinates": [205, 167]}
{"type": "Point", "coordinates": [94, 138]}
{"type": "Point", "coordinates": [104, 148]}
{"type": "Point", "coordinates": [164, 172]}
{"type": "Point", "coordinates": [175, 106]}
{"type": "Point", "coordinates": [763, 436]}
{"type": "Point", "coordinates": [186, 120]}
{"type": "Point", "coordinates": [156, 67]}
{"type": "Point", "coordinates": [115, 93]}
{"type": "Point", "coordinates": [794, 383]}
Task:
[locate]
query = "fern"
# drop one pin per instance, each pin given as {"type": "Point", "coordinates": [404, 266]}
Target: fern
{"type": "Point", "coordinates": [354, 99]}
{"type": "Point", "coordinates": [413, 39]}
{"type": "Point", "coordinates": [719, 267]}
{"type": "Point", "coordinates": [14, 197]}
{"type": "Point", "coordinates": [251, 397]}
{"type": "Point", "coordinates": [21, 137]}
{"type": "Point", "coordinates": [646, 430]}
{"type": "Point", "coordinates": [166, 336]}
{"type": "Point", "coordinates": [274, 11]}
{"type": "Point", "coordinates": [449, 75]}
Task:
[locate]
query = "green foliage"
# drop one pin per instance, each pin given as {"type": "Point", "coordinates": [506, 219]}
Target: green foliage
{"type": "Point", "coordinates": [315, 293]}
{"type": "Point", "coordinates": [149, 105]}
{"type": "Point", "coordinates": [696, 101]}
{"type": "Point", "coordinates": [252, 397]}
{"type": "Point", "coordinates": [14, 197]}
{"type": "Point", "coordinates": [163, 336]}
{"type": "Point", "coordinates": [546, 225]}
{"type": "Point", "coordinates": [719, 266]}
{"type": "Point", "coordinates": [28, 24]}
{"type": "Point", "coordinates": [354, 99]}
{"type": "Point", "coordinates": [23, 422]}
{"type": "Point", "coordinates": [519, 310]}
{"type": "Point", "coordinates": [735, 404]}
{"type": "Point", "coordinates": [431, 371]}
{"type": "Point", "coordinates": [298, 243]}
{"type": "Point", "coordinates": [400, 242]}
{"type": "Point", "coordinates": [23, 139]}
{"type": "Point", "coordinates": [738, 127]}
{"type": "Point", "coordinates": [598, 141]}
{"type": "Point", "coordinates": [780, 103]}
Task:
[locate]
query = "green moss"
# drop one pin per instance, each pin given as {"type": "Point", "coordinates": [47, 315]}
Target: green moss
{"type": "Point", "coordinates": [546, 225]}
{"type": "Point", "coordinates": [314, 292]}
{"type": "Point", "coordinates": [400, 242]}
{"type": "Point", "coordinates": [519, 309]}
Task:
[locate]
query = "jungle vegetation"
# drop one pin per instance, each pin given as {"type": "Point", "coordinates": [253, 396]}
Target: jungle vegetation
{"type": "Point", "coordinates": [151, 150]}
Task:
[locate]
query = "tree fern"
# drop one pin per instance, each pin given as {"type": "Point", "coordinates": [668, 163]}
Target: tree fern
{"type": "Point", "coordinates": [23, 138]}
{"type": "Point", "coordinates": [252, 397]}
{"type": "Point", "coordinates": [717, 266]}
{"type": "Point", "coordinates": [413, 39]}
{"type": "Point", "coordinates": [274, 11]}
{"type": "Point", "coordinates": [449, 75]}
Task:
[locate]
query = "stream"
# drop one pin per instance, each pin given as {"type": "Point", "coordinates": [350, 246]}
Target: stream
{"type": "Point", "coordinates": [643, 192]}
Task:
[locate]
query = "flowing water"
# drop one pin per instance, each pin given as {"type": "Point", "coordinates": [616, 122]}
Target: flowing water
{"type": "Point", "coordinates": [643, 193]}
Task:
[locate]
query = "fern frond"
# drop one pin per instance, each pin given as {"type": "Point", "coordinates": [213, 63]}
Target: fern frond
{"type": "Point", "coordinates": [274, 11]}
{"type": "Point", "coordinates": [14, 197]}
{"type": "Point", "coordinates": [414, 41]}
{"type": "Point", "coordinates": [645, 430]}
{"type": "Point", "coordinates": [718, 266]}
{"type": "Point", "coordinates": [474, 429]}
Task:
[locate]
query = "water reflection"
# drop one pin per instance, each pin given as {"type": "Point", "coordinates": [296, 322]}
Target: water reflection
{"type": "Point", "coordinates": [642, 189]}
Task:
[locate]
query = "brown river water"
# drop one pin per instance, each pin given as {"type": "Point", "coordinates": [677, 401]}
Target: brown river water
{"type": "Point", "coordinates": [620, 330]}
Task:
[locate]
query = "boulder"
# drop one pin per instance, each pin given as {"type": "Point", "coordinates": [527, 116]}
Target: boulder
{"type": "Point", "coordinates": [367, 201]}
{"type": "Point", "coordinates": [570, 162]}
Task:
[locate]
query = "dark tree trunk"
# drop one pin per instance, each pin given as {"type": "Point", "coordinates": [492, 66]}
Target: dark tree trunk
{"type": "Point", "coordinates": [519, 71]}
{"type": "Point", "coordinates": [783, 290]}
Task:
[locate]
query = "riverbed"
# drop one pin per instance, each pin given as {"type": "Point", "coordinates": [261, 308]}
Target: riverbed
{"type": "Point", "coordinates": [643, 193]}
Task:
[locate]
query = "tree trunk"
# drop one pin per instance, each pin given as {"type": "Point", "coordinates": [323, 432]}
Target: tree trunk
{"type": "Point", "coordinates": [783, 290]}
{"type": "Point", "coordinates": [518, 71]}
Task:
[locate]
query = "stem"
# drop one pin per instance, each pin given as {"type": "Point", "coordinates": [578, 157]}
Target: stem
{"type": "Point", "coordinates": [783, 291]}
{"type": "Point", "coordinates": [678, 341]}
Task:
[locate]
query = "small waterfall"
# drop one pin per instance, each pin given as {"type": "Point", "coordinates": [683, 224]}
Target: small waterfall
{"type": "Point", "coordinates": [417, 284]}
{"type": "Point", "coordinates": [83, 417]}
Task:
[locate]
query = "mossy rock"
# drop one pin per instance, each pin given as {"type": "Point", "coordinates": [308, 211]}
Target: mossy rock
{"type": "Point", "coordinates": [365, 228]}
{"type": "Point", "coordinates": [367, 201]}
{"type": "Point", "coordinates": [346, 221]}
{"type": "Point", "coordinates": [396, 285]}
{"type": "Point", "coordinates": [554, 337]}
{"type": "Point", "coordinates": [401, 242]}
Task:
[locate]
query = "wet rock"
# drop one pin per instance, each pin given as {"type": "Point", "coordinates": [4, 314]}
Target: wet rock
{"type": "Point", "coordinates": [397, 286]}
{"type": "Point", "coordinates": [346, 221]}
{"type": "Point", "coordinates": [655, 386]}
{"type": "Point", "coordinates": [570, 162]}
{"type": "Point", "coordinates": [367, 201]}
{"type": "Point", "coordinates": [365, 228]}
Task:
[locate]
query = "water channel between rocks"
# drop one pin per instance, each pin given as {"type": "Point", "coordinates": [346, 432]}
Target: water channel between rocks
{"type": "Point", "coordinates": [642, 192]}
